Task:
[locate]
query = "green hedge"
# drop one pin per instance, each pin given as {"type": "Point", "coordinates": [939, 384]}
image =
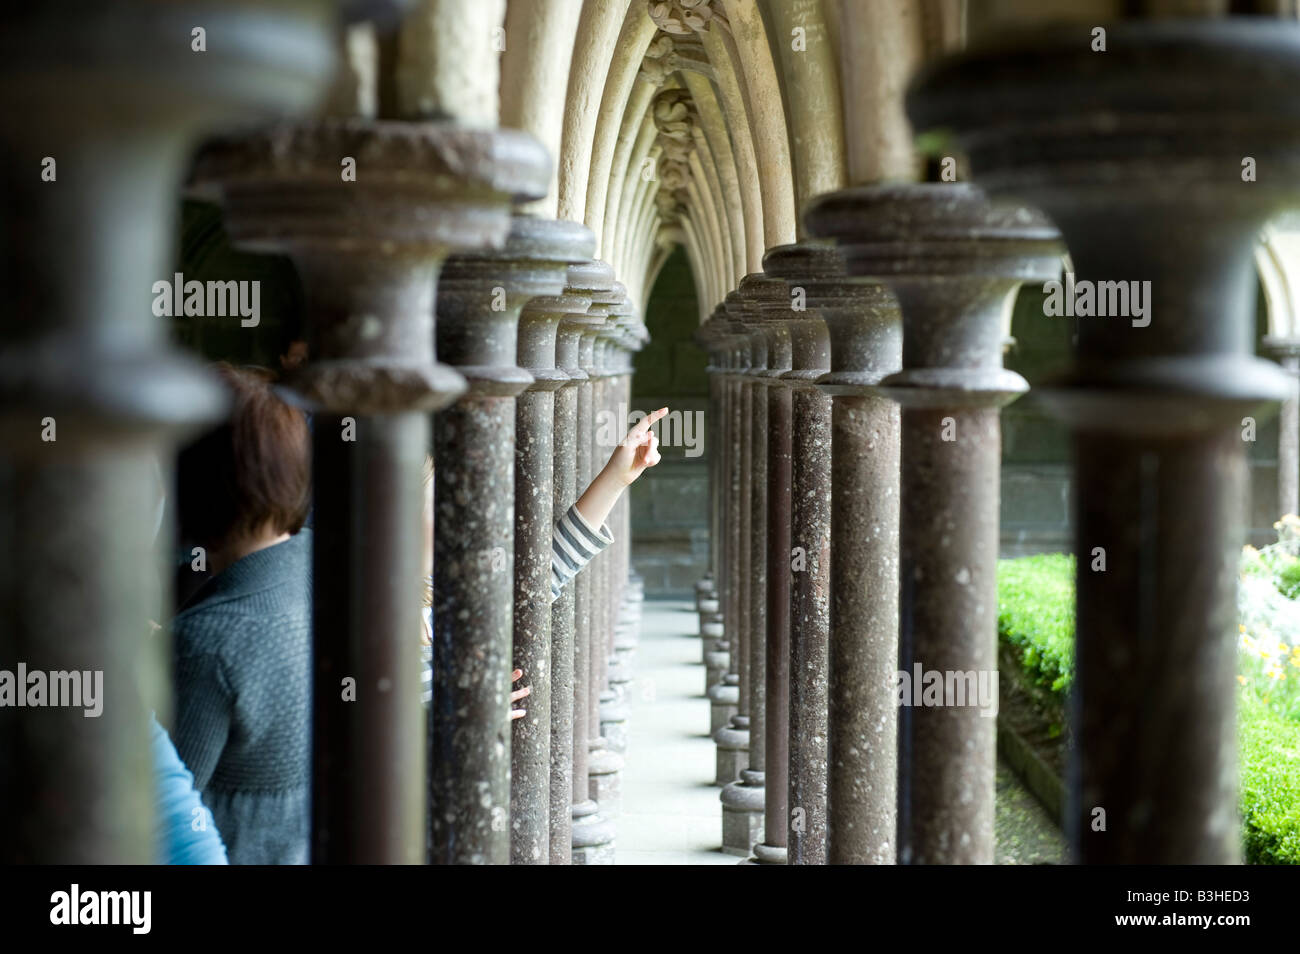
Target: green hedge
{"type": "Point", "coordinates": [1269, 752]}
{"type": "Point", "coordinates": [1036, 616]}
{"type": "Point", "coordinates": [1036, 620]}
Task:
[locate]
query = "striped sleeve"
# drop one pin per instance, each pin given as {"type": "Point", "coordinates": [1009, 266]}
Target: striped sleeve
{"type": "Point", "coordinates": [573, 544]}
{"type": "Point", "coordinates": [426, 662]}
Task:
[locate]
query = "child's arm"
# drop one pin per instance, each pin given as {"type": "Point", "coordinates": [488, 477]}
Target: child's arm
{"type": "Point", "coordinates": [639, 450]}
{"type": "Point", "coordinates": [580, 532]}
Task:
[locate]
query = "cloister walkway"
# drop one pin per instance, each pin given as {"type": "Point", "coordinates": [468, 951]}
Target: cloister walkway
{"type": "Point", "coordinates": [671, 814]}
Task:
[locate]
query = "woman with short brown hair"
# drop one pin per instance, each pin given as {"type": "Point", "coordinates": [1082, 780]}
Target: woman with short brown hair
{"type": "Point", "coordinates": [242, 641]}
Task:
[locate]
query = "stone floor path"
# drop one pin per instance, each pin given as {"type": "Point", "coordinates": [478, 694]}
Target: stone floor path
{"type": "Point", "coordinates": [671, 813]}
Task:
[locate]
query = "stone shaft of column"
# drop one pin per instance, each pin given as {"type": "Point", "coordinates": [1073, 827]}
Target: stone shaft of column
{"type": "Point", "coordinates": [590, 831]}
{"type": "Point", "coordinates": [866, 334]}
{"type": "Point", "coordinates": [714, 338]}
{"type": "Point", "coordinates": [742, 801]}
{"type": "Point", "coordinates": [599, 567]}
{"type": "Point", "coordinates": [732, 737]}
{"type": "Point", "coordinates": [562, 629]}
{"type": "Point", "coordinates": [1145, 182]}
{"type": "Point", "coordinates": [737, 610]}
{"type": "Point", "coordinates": [774, 302]}
{"type": "Point", "coordinates": [91, 397]}
{"type": "Point", "coordinates": [368, 253]}
{"type": "Point", "coordinates": [954, 261]}
{"type": "Point", "coordinates": [757, 651]}
{"type": "Point", "coordinates": [531, 765]}
{"type": "Point", "coordinates": [479, 299]}
{"type": "Point", "coordinates": [604, 764]}
{"type": "Point", "coordinates": [807, 268]}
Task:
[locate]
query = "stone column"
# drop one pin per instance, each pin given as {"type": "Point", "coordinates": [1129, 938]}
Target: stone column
{"type": "Point", "coordinates": [479, 299]}
{"type": "Point", "coordinates": [742, 801]}
{"type": "Point", "coordinates": [98, 123]}
{"type": "Point", "coordinates": [866, 333]}
{"type": "Point", "coordinates": [604, 764]}
{"type": "Point", "coordinates": [625, 609]}
{"type": "Point", "coordinates": [709, 591]}
{"type": "Point", "coordinates": [732, 738]}
{"type": "Point", "coordinates": [813, 272]}
{"type": "Point", "coordinates": [1146, 179]}
{"type": "Point", "coordinates": [530, 752]}
{"type": "Point", "coordinates": [773, 301]}
{"type": "Point", "coordinates": [573, 306]}
{"type": "Point", "coordinates": [954, 261]}
{"type": "Point", "coordinates": [1287, 353]}
{"type": "Point", "coordinates": [593, 833]}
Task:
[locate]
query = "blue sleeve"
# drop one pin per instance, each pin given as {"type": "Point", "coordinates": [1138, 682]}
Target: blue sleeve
{"type": "Point", "coordinates": [184, 831]}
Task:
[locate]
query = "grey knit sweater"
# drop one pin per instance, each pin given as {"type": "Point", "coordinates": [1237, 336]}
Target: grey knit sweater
{"type": "Point", "coordinates": [242, 649]}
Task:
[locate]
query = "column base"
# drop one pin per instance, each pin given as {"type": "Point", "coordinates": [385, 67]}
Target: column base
{"type": "Point", "coordinates": [605, 780]}
{"type": "Point", "coordinates": [733, 753]}
{"type": "Point", "coordinates": [705, 591]}
{"type": "Point", "coordinates": [716, 664]}
{"type": "Point", "coordinates": [593, 836]}
{"type": "Point", "coordinates": [711, 633]}
{"type": "Point", "coordinates": [723, 700]}
{"type": "Point", "coordinates": [767, 855]}
{"type": "Point", "coordinates": [613, 723]}
{"type": "Point", "coordinates": [619, 673]}
{"type": "Point", "coordinates": [742, 814]}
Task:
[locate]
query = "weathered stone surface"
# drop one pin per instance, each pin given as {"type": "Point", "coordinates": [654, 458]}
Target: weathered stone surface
{"type": "Point", "coordinates": [953, 260]}
{"type": "Point", "coordinates": [810, 476]}
{"type": "Point", "coordinates": [1144, 180]}
{"type": "Point", "coordinates": [474, 548]}
{"type": "Point", "coordinates": [530, 752]}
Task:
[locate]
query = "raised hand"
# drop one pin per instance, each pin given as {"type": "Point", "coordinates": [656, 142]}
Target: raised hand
{"type": "Point", "coordinates": [639, 450]}
{"type": "Point", "coordinates": [518, 694]}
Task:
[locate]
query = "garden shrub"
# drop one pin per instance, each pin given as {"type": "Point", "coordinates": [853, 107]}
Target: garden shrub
{"type": "Point", "coordinates": [1036, 621]}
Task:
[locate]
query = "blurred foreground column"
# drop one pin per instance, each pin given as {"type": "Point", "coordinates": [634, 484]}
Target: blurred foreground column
{"type": "Point", "coordinates": [103, 103]}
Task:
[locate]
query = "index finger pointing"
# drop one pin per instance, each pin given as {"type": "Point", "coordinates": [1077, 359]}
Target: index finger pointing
{"type": "Point", "coordinates": [643, 425]}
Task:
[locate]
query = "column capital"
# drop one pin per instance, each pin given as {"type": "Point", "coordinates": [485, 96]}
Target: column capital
{"type": "Point", "coordinates": [1282, 347]}
{"type": "Point", "coordinates": [954, 261]}
{"type": "Point", "coordinates": [369, 249]}
{"type": "Point", "coordinates": [743, 313]}
{"type": "Point", "coordinates": [1160, 186]}
{"type": "Point", "coordinates": [770, 300]}
{"type": "Point", "coordinates": [590, 279]}
{"type": "Point", "coordinates": [686, 17]}
{"type": "Point", "coordinates": [803, 267]}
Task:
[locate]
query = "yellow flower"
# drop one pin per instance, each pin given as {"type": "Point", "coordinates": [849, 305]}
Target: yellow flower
{"type": "Point", "coordinates": [1241, 627]}
{"type": "Point", "coordinates": [1241, 679]}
